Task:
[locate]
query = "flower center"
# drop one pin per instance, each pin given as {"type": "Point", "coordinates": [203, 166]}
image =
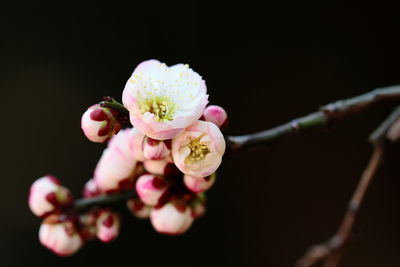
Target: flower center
{"type": "Point", "coordinates": [198, 151]}
{"type": "Point", "coordinates": [161, 106]}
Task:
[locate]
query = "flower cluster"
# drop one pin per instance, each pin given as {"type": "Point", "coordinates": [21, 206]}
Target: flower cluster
{"type": "Point", "coordinates": [168, 159]}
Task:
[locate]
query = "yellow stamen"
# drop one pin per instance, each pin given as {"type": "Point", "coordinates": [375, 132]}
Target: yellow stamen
{"type": "Point", "coordinates": [198, 150]}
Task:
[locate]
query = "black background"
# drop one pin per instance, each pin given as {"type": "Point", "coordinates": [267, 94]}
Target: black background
{"type": "Point", "coordinates": [266, 64]}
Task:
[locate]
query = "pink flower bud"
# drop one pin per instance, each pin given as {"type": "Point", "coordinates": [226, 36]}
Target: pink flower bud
{"type": "Point", "coordinates": [151, 188]}
{"type": "Point", "coordinates": [163, 101]}
{"type": "Point", "coordinates": [199, 149]}
{"type": "Point", "coordinates": [116, 167]}
{"type": "Point", "coordinates": [199, 184]}
{"type": "Point", "coordinates": [90, 189]}
{"type": "Point", "coordinates": [47, 196]}
{"type": "Point", "coordinates": [171, 219]}
{"type": "Point", "coordinates": [99, 124]}
{"type": "Point", "coordinates": [161, 167]}
{"type": "Point", "coordinates": [137, 139]}
{"type": "Point", "coordinates": [155, 149]}
{"type": "Point", "coordinates": [60, 236]}
{"type": "Point", "coordinates": [138, 208]}
{"type": "Point", "coordinates": [108, 224]}
{"type": "Point", "coordinates": [216, 115]}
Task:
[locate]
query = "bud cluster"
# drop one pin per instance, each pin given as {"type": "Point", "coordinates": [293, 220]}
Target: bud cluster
{"type": "Point", "coordinates": [169, 159]}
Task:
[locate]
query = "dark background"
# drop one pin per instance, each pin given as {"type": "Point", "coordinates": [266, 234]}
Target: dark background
{"type": "Point", "coordinates": [266, 64]}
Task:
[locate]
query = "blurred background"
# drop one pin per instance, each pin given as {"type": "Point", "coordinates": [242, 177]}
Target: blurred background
{"type": "Point", "coordinates": [265, 64]}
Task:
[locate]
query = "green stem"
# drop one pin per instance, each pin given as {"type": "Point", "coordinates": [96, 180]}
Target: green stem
{"type": "Point", "coordinates": [110, 102]}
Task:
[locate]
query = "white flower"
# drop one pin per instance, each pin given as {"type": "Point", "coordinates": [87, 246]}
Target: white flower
{"type": "Point", "coordinates": [163, 100]}
{"type": "Point", "coordinates": [199, 149]}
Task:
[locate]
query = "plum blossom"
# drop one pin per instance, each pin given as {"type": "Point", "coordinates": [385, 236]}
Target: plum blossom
{"type": "Point", "coordinates": [116, 166]}
{"type": "Point", "coordinates": [99, 123]}
{"type": "Point", "coordinates": [199, 149]}
{"type": "Point", "coordinates": [163, 101]}
{"type": "Point", "coordinates": [216, 115]}
{"type": "Point", "coordinates": [151, 188]}
{"type": "Point", "coordinates": [47, 196]}
{"type": "Point", "coordinates": [137, 139]}
{"type": "Point", "coordinates": [138, 208]}
{"type": "Point", "coordinates": [161, 167]}
{"type": "Point", "coordinates": [171, 219]}
{"type": "Point", "coordinates": [199, 184]}
{"type": "Point", "coordinates": [156, 149]}
{"type": "Point", "coordinates": [60, 236]}
{"type": "Point", "coordinates": [108, 224]}
{"type": "Point", "coordinates": [90, 189]}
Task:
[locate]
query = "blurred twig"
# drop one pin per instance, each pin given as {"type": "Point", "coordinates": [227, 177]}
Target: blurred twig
{"type": "Point", "coordinates": [330, 252]}
{"type": "Point", "coordinates": [85, 204]}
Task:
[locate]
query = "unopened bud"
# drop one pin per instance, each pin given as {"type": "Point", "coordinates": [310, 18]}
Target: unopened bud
{"type": "Point", "coordinates": [161, 167]}
{"type": "Point", "coordinates": [90, 189]}
{"type": "Point", "coordinates": [108, 224]}
{"type": "Point", "coordinates": [60, 235]}
{"type": "Point", "coordinates": [99, 123]}
{"type": "Point", "coordinates": [156, 149]}
{"type": "Point", "coordinates": [47, 196]}
{"type": "Point", "coordinates": [216, 115]}
{"type": "Point", "coordinates": [171, 219]}
{"type": "Point", "coordinates": [138, 208]}
{"type": "Point", "coordinates": [151, 188]}
{"type": "Point", "coordinates": [199, 184]}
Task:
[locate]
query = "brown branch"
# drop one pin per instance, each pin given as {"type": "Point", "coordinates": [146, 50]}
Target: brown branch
{"type": "Point", "coordinates": [330, 252]}
{"type": "Point", "coordinates": [327, 114]}
{"type": "Point", "coordinates": [84, 204]}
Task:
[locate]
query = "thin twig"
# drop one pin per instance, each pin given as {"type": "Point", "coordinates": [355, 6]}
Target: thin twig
{"type": "Point", "coordinates": [379, 135]}
{"type": "Point", "coordinates": [110, 102]}
{"type": "Point", "coordinates": [330, 252]}
{"type": "Point", "coordinates": [326, 114]}
{"type": "Point", "coordinates": [85, 204]}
